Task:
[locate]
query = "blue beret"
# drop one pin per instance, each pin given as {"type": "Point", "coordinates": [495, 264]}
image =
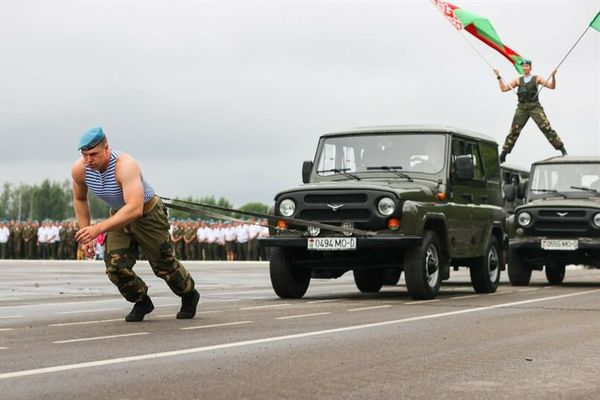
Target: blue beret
{"type": "Point", "coordinates": [91, 138]}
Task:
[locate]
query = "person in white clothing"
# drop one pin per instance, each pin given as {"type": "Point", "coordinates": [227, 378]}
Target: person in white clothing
{"type": "Point", "coordinates": [242, 235]}
{"type": "Point", "coordinates": [230, 242]}
{"type": "Point", "coordinates": [4, 235]}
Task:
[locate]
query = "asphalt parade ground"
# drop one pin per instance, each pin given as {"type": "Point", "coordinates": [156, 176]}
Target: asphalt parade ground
{"type": "Point", "coordinates": [63, 336]}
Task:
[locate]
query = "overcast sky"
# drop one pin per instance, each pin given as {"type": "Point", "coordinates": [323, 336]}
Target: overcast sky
{"type": "Point", "coordinates": [227, 98]}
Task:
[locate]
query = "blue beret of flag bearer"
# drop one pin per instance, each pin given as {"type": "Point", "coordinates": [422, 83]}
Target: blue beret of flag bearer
{"type": "Point", "coordinates": [91, 138]}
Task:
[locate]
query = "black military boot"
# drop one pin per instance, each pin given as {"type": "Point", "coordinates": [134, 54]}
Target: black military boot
{"type": "Point", "coordinates": [189, 302]}
{"type": "Point", "coordinates": [503, 156]}
{"type": "Point", "coordinates": [140, 309]}
{"type": "Point", "coordinates": [563, 150]}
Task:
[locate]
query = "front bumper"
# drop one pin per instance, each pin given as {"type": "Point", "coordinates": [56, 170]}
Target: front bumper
{"type": "Point", "coordinates": [362, 242]}
{"type": "Point", "coordinates": [536, 243]}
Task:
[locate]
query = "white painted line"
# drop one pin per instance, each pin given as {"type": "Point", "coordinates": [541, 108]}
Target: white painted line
{"type": "Point", "coordinates": [70, 303]}
{"type": "Point", "coordinates": [410, 303]}
{"type": "Point", "coordinates": [263, 307]}
{"type": "Point", "coordinates": [168, 305]}
{"type": "Point", "coordinates": [6, 329]}
{"type": "Point", "coordinates": [87, 322]}
{"type": "Point", "coordinates": [210, 312]}
{"type": "Point", "coordinates": [304, 315]}
{"type": "Point", "coordinates": [3, 348]}
{"type": "Point", "coordinates": [12, 316]}
{"type": "Point", "coordinates": [549, 287]}
{"type": "Point", "coordinates": [194, 350]}
{"type": "Point", "coordinates": [217, 325]}
{"type": "Point", "coordinates": [369, 308]}
{"type": "Point", "coordinates": [528, 290]}
{"type": "Point", "coordinates": [469, 296]}
{"type": "Point", "coordinates": [165, 316]}
{"type": "Point", "coordinates": [88, 311]}
{"type": "Point", "coordinates": [323, 301]}
{"type": "Point", "coordinates": [100, 337]}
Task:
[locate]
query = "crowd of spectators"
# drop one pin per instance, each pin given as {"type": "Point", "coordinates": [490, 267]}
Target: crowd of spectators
{"type": "Point", "coordinates": [192, 239]}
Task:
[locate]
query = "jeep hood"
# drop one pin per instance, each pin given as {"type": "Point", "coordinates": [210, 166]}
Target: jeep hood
{"type": "Point", "coordinates": [557, 202]}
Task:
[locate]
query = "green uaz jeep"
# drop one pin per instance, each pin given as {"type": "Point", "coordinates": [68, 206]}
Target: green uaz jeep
{"type": "Point", "coordinates": [560, 222]}
{"type": "Point", "coordinates": [418, 199]}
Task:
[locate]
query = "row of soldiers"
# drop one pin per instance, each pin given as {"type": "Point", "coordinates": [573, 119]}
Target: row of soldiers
{"type": "Point", "coordinates": [210, 240]}
{"type": "Point", "coordinates": [33, 240]}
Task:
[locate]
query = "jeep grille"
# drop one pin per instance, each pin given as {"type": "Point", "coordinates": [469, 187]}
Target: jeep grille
{"type": "Point", "coordinates": [562, 222]}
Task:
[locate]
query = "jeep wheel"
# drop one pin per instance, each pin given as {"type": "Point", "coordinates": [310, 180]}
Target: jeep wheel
{"type": "Point", "coordinates": [485, 271]}
{"type": "Point", "coordinates": [287, 281]}
{"type": "Point", "coordinates": [391, 277]}
{"type": "Point", "coordinates": [555, 273]}
{"type": "Point", "coordinates": [369, 280]}
{"type": "Point", "coordinates": [519, 273]}
{"type": "Point", "coordinates": [422, 268]}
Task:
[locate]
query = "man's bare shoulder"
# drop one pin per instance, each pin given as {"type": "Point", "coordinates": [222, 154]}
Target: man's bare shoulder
{"type": "Point", "coordinates": [126, 166]}
{"type": "Point", "coordinates": [78, 170]}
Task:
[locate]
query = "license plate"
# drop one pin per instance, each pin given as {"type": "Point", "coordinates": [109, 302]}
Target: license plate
{"type": "Point", "coordinates": [557, 244]}
{"type": "Point", "coordinates": [332, 243]}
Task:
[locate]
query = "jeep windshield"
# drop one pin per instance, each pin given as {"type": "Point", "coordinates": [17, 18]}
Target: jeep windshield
{"type": "Point", "coordinates": [371, 155]}
{"type": "Point", "coordinates": [575, 179]}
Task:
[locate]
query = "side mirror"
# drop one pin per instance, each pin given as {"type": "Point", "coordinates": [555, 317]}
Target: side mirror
{"type": "Point", "coordinates": [307, 167]}
{"type": "Point", "coordinates": [465, 169]}
{"type": "Point", "coordinates": [510, 192]}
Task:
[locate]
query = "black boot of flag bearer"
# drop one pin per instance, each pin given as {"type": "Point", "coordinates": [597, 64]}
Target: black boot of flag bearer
{"type": "Point", "coordinates": [563, 151]}
{"type": "Point", "coordinates": [189, 302]}
{"type": "Point", "coordinates": [503, 157]}
{"type": "Point", "coordinates": [140, 309]}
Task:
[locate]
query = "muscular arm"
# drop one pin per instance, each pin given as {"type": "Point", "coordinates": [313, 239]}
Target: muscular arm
{"type": "Point", "coordinates": [128, 175]}
{"type": "Point", "coordinates": [80, 191]}
{"type": "Point", "coordinates": [503, 86]}
{"type": "Point", "coordinates": [550, 83]}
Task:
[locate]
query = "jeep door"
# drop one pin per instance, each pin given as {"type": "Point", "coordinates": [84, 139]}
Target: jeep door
{"type": "Point", "coordinates": [468, 217]}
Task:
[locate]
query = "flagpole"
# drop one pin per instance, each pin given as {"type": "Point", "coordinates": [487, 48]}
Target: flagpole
{"type": "Point", "coordinates": [485, 60]}
{"type": "Point", "coordinates": [563, 60]}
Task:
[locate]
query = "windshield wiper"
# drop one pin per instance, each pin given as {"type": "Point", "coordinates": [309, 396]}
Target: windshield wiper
{"type": "Point", "coordinates": [391, 169]}
{"type": "Point", "coordinates": [587, 189]}
{"type": "Point", "coordinates": [343, 171]}
{"type": "Point", "coordinates": [551, 191]}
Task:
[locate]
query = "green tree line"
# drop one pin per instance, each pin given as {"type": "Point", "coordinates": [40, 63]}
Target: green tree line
{"type": "Point", "coordinates": [54, 200]}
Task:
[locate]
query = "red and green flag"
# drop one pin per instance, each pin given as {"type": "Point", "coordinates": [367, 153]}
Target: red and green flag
{"type": "Point", "coordinates": [482, 29]}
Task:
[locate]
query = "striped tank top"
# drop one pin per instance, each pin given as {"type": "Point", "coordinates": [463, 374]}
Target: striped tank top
{"type": "Point", "coordinates": [105, 186]}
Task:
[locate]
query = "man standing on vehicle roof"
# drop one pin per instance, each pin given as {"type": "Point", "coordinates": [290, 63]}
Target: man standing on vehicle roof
{"type": "Point", "coordinates": [529, 106]}
{"type": "Point", "coordinates": [138, 217]}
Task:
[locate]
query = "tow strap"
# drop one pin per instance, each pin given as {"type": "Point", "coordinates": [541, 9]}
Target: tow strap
{"type": "Point", "coordinates": [212, 211]}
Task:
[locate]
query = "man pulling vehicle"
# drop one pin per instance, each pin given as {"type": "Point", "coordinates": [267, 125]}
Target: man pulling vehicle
{"type": "Point", "coordinates": [138, 218]}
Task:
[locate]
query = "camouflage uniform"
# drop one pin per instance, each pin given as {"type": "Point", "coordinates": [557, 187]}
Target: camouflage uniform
{"type": "Point", "coordinates": [177, 238]}
{"type": "Point", "coordinates": [529, 106]}
{"type": "Point", "coordinates": [189, 236]}
{"type": "Point", "coordinates": [17, 241]}
{"type": "Point", "coordinates": [151, 233]}
{"type": "Point", "coordinates": [70, 243]}
{"type": "Point", "coordinates": [29, 238]}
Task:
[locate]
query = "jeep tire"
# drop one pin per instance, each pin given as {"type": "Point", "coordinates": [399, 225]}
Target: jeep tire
{"type": "Point", "coordinates": [369, 280]}
{"type": "Point", "coordinates": [422, 268]}
{"type": "Point", "coordinates": [519, 273]}
{"type": "Point", "coordinates": [555, 273]}
{"type": "Point", "coordinates": [287, 281]}
{"type": "Point", "coordinates": [485, 270]}
{"type": "Point", "coordinates": [391, 276]}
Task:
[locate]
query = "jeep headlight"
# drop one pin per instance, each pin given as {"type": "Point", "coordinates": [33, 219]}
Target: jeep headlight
{"type": "Point", "coordinates": [597, 220]}
{"type": "Point", "coordinates": [386, 206]}
{"type": "Point", "coordinates": [287, 207]}
{"type": "Point", "coordinates": [524, 219]}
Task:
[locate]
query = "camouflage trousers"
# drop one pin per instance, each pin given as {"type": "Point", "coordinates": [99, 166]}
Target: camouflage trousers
{"type": "Point", "coordinates": [522, 114]}
{"type": "Point", "coordinates": [151, 233]}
